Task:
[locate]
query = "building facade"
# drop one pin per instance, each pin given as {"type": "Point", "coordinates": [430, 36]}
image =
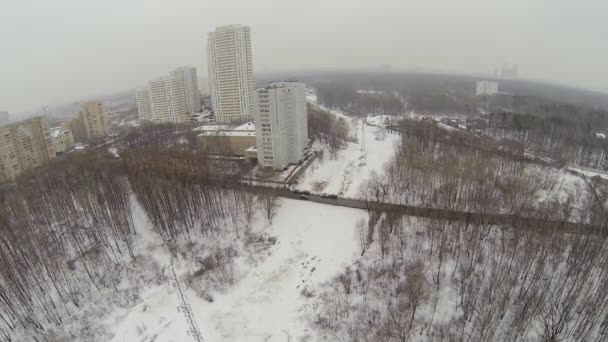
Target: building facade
{"type": "Point", "coordinates": [76, 126]}
{"type": "Point", "coordinates": [228, 141]}
{"type": "Point", "coordinates": [62, 139]}
{"type": "Point", "coordinates": [24, 145]}
{"type": "Point", "coordinates": [281, 122]}
{"type": "Point", "coordinates": [486, 88]}
{"type": "Point", "coordinates": [94, 120]}
{"type": "Point", "coordinates": [230, 66]}
{"type": "Point", "coordinates": [170, 99]}
{"type": "Point", "coordinates": [188, 77]}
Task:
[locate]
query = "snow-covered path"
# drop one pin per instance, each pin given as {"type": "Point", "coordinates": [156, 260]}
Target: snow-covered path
{"type": "Point", "coordinates": [353, 166]}
{"type": "Point", "coordinates": [314, 243]}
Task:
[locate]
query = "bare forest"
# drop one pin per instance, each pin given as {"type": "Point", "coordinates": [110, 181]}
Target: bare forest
{"type": "Point", "coordinates": [68, 235]}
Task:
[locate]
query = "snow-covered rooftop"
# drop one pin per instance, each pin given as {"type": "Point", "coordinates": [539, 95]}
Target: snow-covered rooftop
{"type": "Point", "coordinates": [228, 133]}
{"type": "Point", "coordinates": [56, 132]}
{"type": "Point", "coordinates": [248, 126]}
{"type": "Point", "coordinates": [246, 129]}
{"type": "Point", "coordinates": [211, 127]}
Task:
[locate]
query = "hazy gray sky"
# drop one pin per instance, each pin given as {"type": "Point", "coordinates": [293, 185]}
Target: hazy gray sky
{"type": "Point", "coordinates": [57, 51]}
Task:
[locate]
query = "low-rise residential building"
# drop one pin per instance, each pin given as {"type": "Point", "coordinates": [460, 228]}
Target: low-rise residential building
{"type": "Point", "coordinates": [24, 145]}
{"type": "Point", "coordinates": [224, 140]}
{"type": "Point", "coordinates": [62, 140]}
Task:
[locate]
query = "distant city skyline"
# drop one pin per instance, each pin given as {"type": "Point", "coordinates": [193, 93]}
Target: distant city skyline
{"type": "Point", "coordinates": [51, 50]}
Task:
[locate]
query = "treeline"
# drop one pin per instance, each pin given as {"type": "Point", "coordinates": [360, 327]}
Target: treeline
{"type": "Point", "coordinates": [359, 101]}
{"type": "Point", "coordinates": [435, 280]}
{"type": "Point", "coordinates": [327, 128]}
{"type": "Point", "coordinates": [566, 132]}
{"type": "Point", "coordinates": [151, 134]}
{"type": "Point", "coordinates": [449, 169]}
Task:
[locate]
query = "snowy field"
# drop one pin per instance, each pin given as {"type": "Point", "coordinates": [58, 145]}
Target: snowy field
{"type": "Point", "coordinates": [353, 165]}
{"type": "Point", "coordinates": [268, 303]}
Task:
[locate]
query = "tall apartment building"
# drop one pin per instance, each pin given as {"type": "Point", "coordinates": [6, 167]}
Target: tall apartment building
{"type": "Point", "coordinates": [3, 117]}
{"type": "Point", "coordinates": [24, 145]}
{"type": "Point", "coordinates": [94, 119]}
{"type": "Point", "coordinates": [91, 123]}
{"type": "Point", "coordinates": [76, 126]}
{"type": "Point", "coordinates": [486, 88]}
{"type": "Point", "coordinates": [281, 123]}
{"type": "Point", "coordinates": [188, 76]}
{"type": "Point", "coordinates": [170, 99]}
{"type": "Point", "coordinates": [231, 73]}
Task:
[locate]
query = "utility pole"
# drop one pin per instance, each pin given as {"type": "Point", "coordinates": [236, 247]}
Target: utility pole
{"type": "Point", "coordinates": [186, 309]}
{"type": "Point", "coordinates": [363, 124]}
{"type": "Point", "coordinates": [363, 151]}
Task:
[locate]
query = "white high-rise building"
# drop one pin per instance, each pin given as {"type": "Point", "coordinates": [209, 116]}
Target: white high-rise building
{"type": "Point", "coordinates": [486, 88]}
{"type": "Point", "coordinates": [170, 99]}
{"type": "Point", "coordinates": [281, 123]}
{"type": "Point", "coordinates": [231, 73]}
{"type": "Point", "coordinates": [188, 76]}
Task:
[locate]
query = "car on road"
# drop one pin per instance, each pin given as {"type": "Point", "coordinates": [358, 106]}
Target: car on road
{"type": "Point", "coordinates": [304, 197]}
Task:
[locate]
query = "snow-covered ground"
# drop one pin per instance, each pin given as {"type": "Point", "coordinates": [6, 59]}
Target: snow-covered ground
{"type": "Point", "coordinates": [353, 165]}
{"type": "Point", "coordinates": [268, 303]}
{"type": "Point", "coordinates": [383, 120]}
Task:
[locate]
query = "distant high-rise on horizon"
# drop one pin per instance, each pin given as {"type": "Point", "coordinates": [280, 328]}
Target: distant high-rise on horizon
{"type": "Point", "coordinates": [281, 123]}
{"type": "Point", "coordinates": [170, 99]}
{"type": "Point", "coordinates": [486, 88]}
{"type": "Point", "coordinates": [509, 71]}
{"type": "Point", "coordinates": [231, 73]}
{"type": "Point", "coordinates": [3, 117]}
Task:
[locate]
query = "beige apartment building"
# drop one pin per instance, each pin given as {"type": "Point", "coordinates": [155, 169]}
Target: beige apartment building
{"type": "Point", "coordinates": [62, 140]}
{"type": "Point", "coordinates": [91, 123]}
{"type": "Point", "coordinates": [24, 145]}
{"type": "Point", "coordinates": [95, 120]}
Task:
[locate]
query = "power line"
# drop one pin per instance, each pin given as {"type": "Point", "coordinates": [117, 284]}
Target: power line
{"type": "Point", "coordinates": [186, 309]}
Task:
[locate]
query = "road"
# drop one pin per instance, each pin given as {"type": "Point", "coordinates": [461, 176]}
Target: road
{"type": "Point", "coordinates": [536, 224]}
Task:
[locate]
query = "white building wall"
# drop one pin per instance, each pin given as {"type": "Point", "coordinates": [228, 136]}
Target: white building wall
{"type": "Point", "coordinates": [143, 104]}
{"type": "Point", "coordinates": [170, 99]}
{"type": "Point", "coordinates": [229, 60]}
{"type": "Point", "coordinates": [281, 122]}
{"type": "Point", "coordinates": [188, 76]}
{"type": "Point", "coordinates": [486, 88]}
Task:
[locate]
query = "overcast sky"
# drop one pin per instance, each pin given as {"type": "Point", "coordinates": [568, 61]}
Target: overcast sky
{"type": "Point", "coordinates": [57, 51]}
